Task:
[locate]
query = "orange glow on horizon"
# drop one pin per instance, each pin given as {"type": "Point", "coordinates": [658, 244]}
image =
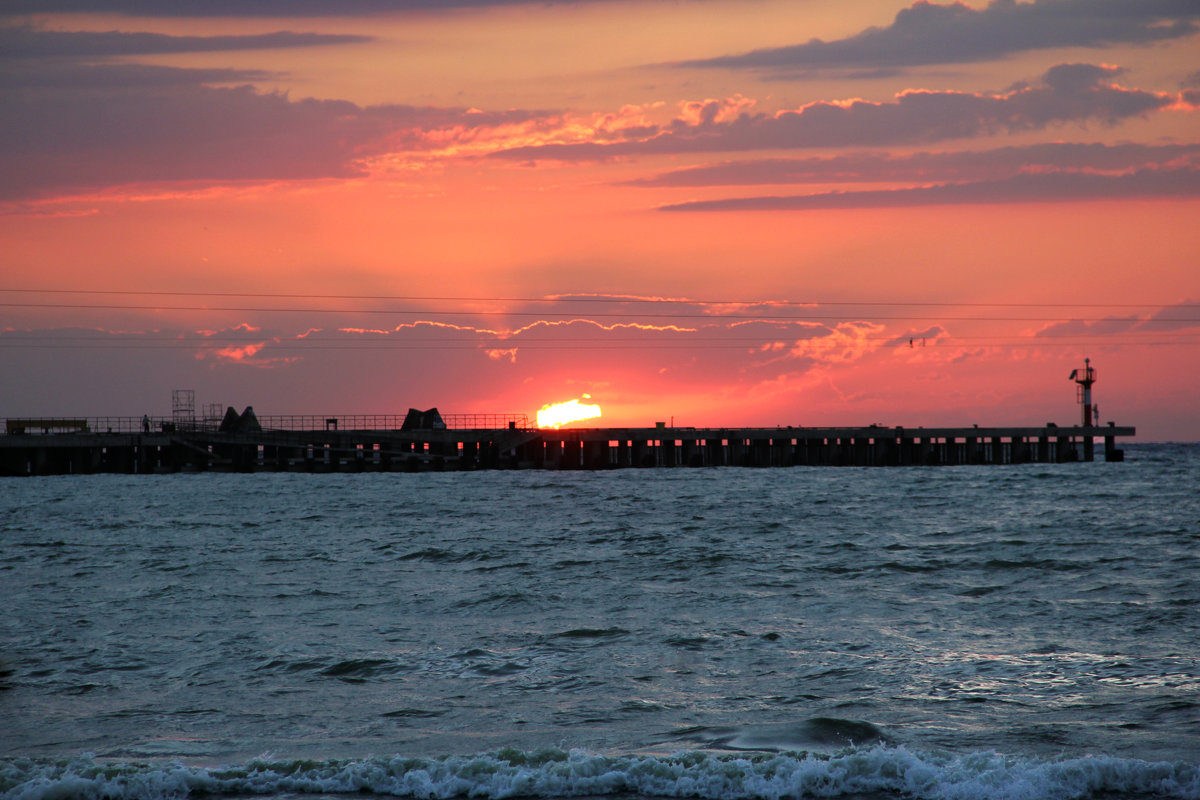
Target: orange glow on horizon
{"type": "Point", "coordinates": [558, 414]}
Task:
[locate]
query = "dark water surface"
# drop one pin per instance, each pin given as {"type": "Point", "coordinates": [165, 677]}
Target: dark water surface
{"type": "Point", "coordinates": [999, 631]}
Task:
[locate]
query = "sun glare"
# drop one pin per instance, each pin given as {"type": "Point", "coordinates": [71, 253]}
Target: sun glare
{"type": "Point", "coordinates": [559, 414]}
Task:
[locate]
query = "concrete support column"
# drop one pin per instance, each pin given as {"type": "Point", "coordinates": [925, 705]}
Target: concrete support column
{"type": "Point", "coordinates": [534, 453]}
{"type": "Point", "coordinates": [245, 458]}
{"type": "Point", "coordinates": [572, 455]}
{"type": "Point", "coordinates": [487, 455]}
{"type": "Point", "coordinates": [14, 461]}
{"type": "Point", "coordinates": [471, 455]}
{"type": "Point", "coordinates": [885, 452]}
{"type": "Point", "coordinates": [595, 455]}
{"type": "Point", "coordinates": [1065, 450]}
{"type": "Point", "coordinates": [1111, 452]}
{"type": "Point", "coordinates": [146, 458]}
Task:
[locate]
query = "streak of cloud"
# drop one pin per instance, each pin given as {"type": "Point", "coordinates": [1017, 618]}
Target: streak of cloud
{"type": "Point", "coordinates": [1066, 93]}
{"type": "Point", "coordinates": [928, 33]}
{"type": "Point", "coordinates": [1175, 317]}
{"type": "Point", "coordinates": [23, 42]}
{"type": "Point", "coordinates": [872, 167]}
{"type": "Point", "coordinates": [256, 9]}
{"type": "Point", "coordinates": [58, 75]}
{"type": "Point", "coordinates": [1025, 188]}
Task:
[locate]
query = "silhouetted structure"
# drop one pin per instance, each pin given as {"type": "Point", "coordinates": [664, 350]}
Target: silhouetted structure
{"type": "Point", "coordinates": [47, 446]}
{"type": "Point", "coordinates": [233, 422]}
{"type": "Point", "coordinates": [429, 420]}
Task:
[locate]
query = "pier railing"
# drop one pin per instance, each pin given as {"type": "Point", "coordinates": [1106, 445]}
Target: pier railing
{"type": "Point", "coordinates": [384, 422]}
{"type": "Point", "coordinates": [47, 425]}
{"type": "Point", "coordinates": [276, 422]}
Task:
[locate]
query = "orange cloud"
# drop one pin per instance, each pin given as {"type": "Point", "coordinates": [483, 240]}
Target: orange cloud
{"type": "Point", "coordinates": [499, 355]}
{"type": "Point", "coordinates": [847, 342]}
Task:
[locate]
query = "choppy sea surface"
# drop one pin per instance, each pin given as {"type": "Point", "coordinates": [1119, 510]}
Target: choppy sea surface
{"type": "Point", "coordinates": [1026, 631]}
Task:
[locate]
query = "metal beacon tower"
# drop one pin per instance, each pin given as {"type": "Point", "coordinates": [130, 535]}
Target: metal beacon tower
{"type": "Point", "coordinates": [1085, 378]}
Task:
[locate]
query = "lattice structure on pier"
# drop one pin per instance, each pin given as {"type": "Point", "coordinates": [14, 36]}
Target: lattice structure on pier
{"type": "Point", "coordinates": [183, 406]}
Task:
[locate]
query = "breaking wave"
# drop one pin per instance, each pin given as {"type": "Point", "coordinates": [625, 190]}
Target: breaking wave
{"type": "Point", "coordinates": [880, 771]}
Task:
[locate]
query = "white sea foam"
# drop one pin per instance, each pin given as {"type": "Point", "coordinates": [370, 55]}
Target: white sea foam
{"type": "Point", "coordinates": [880, 771]}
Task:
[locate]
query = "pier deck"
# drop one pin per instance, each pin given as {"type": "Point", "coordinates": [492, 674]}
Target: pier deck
{"type": "Point", "coordinates": [167, 447]}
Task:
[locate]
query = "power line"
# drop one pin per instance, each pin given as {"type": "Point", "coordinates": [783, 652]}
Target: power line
{"type": "Point", "coordinates": [276, 347]}
{"type": "Point", "coordinates": [604, 315]}
{"type": "Point", "coordinates": [313, 340]}
{"type": "Point", "coordinates": [588, 298]}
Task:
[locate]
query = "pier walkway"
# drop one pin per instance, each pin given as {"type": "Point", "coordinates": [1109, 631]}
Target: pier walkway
{"type": "Point", "coordinates": [129, 445]}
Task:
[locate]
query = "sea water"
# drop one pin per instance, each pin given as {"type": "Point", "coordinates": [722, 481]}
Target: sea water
{"type": "Point", "coordinates": [956, 632]}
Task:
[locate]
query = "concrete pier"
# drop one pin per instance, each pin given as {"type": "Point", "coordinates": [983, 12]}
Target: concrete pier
{"type": "Point", "coordinates": [79, 448]}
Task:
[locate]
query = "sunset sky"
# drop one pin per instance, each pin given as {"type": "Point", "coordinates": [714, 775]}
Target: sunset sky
{"type": "Point", "coordinates": [716, 212]}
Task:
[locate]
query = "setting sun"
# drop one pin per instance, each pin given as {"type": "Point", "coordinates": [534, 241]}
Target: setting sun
{"type": "Point", "coordinates": [559, 414]}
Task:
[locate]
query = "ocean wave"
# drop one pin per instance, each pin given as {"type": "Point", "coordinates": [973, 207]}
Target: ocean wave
{"type": "Point", "coordinates": [879, 771]}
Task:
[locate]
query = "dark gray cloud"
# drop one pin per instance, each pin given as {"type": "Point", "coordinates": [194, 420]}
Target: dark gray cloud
{"type": "Point", "coordinates": [1067, 93]}
{"type": "Point", "coordinates": [66, 75]}
{"type": "Point", "coordinates": [253, 8]}
{"type": "Point", "coordinates": [926, 167]}
{"type": "Point", "coordinates": [929, 33]}
{"type": "Point", "coordinates": [1180, 316]}
{"type": "Point", "coordinates": [1025, 188]}
{"type": "Point", "coordinates": [84, 134]}
{"type": "Point", "coordinates": [37, 58]}
{"type": "Point", "coordinates": [32, 57]}
{"type": "Point", "coordinates": [1175, 317]}
{"type": "Point", "coordinates": [76, 117]}
{"type": "Point", "coordinates": [1078, 327]}
{"type": "Point", "coordinates": [24, 42]}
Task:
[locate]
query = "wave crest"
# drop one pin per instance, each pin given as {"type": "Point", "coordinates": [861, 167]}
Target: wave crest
{"type": "Point", "coordinates": [879, 771]}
